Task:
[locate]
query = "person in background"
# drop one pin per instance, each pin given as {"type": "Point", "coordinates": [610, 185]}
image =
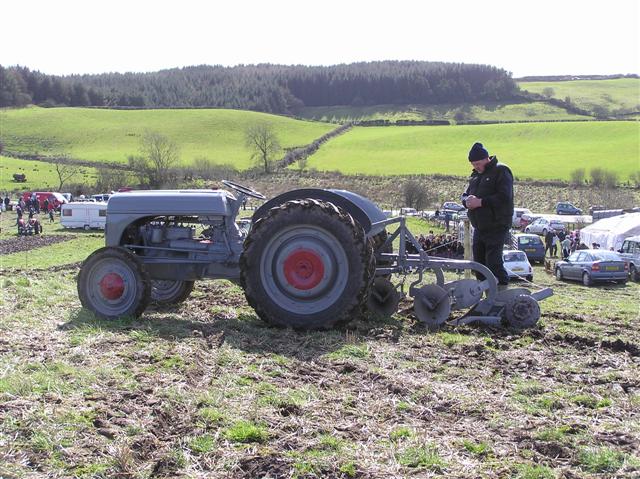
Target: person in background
{"type": "Point", "coordinates": [51, 219]}
{"type": "Point", "coordinates": [566, 247]}
{"type": "Point", "coordinates": [548, 243]}
{"type": "Point", "coordinates": [489, 200]}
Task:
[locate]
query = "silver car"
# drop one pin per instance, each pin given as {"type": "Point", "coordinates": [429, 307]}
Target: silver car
{"type": "Point", "coordinates": [541, 225]}
{"type": "Point", "coordinates": [591, 265]}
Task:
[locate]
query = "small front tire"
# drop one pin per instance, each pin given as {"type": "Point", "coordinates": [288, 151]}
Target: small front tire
{"type": "Point", "coordinates": [113, 283]}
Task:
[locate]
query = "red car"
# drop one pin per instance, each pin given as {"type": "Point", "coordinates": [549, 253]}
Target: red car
{"type": "Point", "coordinates": [54, 198]}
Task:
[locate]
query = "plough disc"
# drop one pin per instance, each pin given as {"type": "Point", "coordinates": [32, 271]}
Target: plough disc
{"type": "Point", "coordinates": [432, 306]}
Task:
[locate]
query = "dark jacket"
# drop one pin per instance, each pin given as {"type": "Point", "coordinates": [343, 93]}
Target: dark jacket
{"type": "Point", "coordinates": [495, 187]}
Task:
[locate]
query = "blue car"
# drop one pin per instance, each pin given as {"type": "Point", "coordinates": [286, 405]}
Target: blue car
{"type": "Point", "coordinates": [593, 265]}
{"type": "Point", "coordinates": [531, 245]}
{"type": "Point", "coordinates": [566, 208]}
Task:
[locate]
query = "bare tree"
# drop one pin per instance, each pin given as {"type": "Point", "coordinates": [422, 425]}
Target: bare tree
{"type": "Point", "coordinates": [263, 143]}
{"type": "Point", "coordinates": [65, 171]}
{"type": "Point", "coordinates": [577, 176]}
{"type": "Point", "coordinates": [416, 195]}
{"type": "Point", "coordinates": [159, 156]}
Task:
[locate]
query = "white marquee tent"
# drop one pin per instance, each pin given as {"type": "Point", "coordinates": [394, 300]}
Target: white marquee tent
{"type": "Point", "coordinates": [611, 232]}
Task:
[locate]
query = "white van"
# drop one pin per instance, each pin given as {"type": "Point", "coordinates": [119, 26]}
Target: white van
{"type": "Point", "coordinates": [84, 214]}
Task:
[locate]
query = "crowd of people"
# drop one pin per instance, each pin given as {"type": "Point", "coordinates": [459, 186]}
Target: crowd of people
{"type": "Point", "coordinates": [563, 243]}
{"type": "Point", "coordinates": [441, 245]}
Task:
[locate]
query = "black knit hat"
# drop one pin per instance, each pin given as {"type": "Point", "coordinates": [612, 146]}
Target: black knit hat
{"type": "Point", "coordinates": [478, 152]}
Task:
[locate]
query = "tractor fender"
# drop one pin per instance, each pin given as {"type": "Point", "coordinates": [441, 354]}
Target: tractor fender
{"type": "Point", "coordinates": [363, 210]}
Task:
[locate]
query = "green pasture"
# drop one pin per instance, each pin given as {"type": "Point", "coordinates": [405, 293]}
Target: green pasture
{"type": "Point", "coordinates": [607, 96]}
{"type": "Point", "coordinates": [67, 252]}
{"type": "Point", "coordinates": [491, 111]}
{"type": "Point", "coordinates": [112, 135]}
{"type": "Point", "coordinates": [533, 150]}
{"type": "Point", "coordinates": [40, 175]}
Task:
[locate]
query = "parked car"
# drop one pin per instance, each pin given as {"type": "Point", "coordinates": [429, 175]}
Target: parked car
{"type": "Point", "coordinates": [566, 208]}
{"type": "Point", "coordinates": [452, 206]}
{"type": "Point", "coordinates": [526, 219]}
{"type": "Point", "coordinates": [531, 245]}
{"type": "Point", "coordinates": [591, 265]}
{"type": "Point", "coordinates": [630, 253]}
{"type": "Point", "coordinates": [542, 225]}
{"type": "Point", "coordinates": [517, 264]}
{"type": "Point", "coordinates": [101, 197]}
{"type": "Point", "coordinates": [517, 216]}
{"type": "Point", "coordinates": [408, 212]}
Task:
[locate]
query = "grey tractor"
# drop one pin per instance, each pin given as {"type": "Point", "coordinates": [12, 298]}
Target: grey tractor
{"type": "Point", "coordinates": [311, 259]}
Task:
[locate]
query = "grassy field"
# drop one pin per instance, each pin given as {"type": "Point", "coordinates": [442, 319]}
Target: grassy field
{"type": "Point", "coordinates": [484, 112]}
{"type": "Point", "coordinates": [40, 175]}
{"type": "Point", "coordinates": [112, 135]}
{"type": "Point", "coordinates": [205, 389]}
{"type": "Point", "coordinates": [620, 95]}
{"type": "Point", "coordinates": [534, 150]}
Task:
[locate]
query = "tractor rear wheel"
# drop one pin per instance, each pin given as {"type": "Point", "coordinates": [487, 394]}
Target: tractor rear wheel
{"type": "Point", "coordinates": [169, 291]}
{"type": "Point", "coordinates": [307, 265]}
{"type": "Point", "coordinates": [113, 283]}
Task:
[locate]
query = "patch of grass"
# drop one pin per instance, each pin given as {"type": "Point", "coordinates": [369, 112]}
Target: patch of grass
{"type": "Point", "coordinates": [245, 432]}
{"type": "Point", "coordinates": [453, 339]}
{"type": "Point", "coordinates": [589, 401]}
{"type": "Point", "coordinates": [349, 469]}
{"type": "Point", "coordinates": [327, 442]}
{"type": "Point", "coordinates": [528, 471]}
{"type": "Point", "coordinates": [202, 444]}
{"type": "Point", "coordinates": [210, 416]}
{"type": "Point", "coordinates": [400, 433]}
{"type": "Point", "coordinates": [93, 469]}
{"type": "Point", "coordinates": [421, 457]}
{"type": "Point", "coordinates": [476, 448]}
{"type": "Point", "coordinates": [555, 434]}
{"type": "Point", "coordinates": [357, 351]}
{"type": "Point", "coordinates": [600, 460]}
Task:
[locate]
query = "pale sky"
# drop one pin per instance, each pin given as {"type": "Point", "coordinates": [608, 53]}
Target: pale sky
{"type": "Point", "coordinates": [540, 37]}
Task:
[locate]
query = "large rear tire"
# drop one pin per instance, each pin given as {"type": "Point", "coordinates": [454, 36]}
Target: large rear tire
{"type": "Point", "coordinates": [170, 292]}
{"type": "Point", "coordinates": [307, 265]}
{"type": "Point", "coordinates": [113, 283]}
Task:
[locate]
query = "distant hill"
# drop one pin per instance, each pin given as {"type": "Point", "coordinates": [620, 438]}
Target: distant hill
{"type": "Point", "coordinates": [602, 98]}
{"type": "Point", "coordinates": [268, 88]}
{"type": "Point", "coordinates": [110, 136]}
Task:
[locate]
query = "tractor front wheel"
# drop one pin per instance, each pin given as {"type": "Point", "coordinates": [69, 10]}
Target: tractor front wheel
{"type": "Point", "coordinates": [307, 265]}
{"type": "Point", "coordinates": [113, 283]}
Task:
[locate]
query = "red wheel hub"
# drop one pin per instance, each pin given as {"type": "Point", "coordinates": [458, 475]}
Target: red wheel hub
{"type": "Point", "coordinates": [303, 269]}
{"type": "Point", "coordinates": [112, 286]}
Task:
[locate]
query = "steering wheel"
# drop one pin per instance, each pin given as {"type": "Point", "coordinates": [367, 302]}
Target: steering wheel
{"type": "Point", "coordinates": [244, 190]}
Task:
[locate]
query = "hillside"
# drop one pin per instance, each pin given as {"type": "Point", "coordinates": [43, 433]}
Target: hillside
{"type": "Point", "coordinates": [485, 111]}
{"type": "Point", "coordinates": [533, 150]}
{"type": "Point", "coordinates": [602, 97]}
{"type": "Point", "coordinates": [109, 136]}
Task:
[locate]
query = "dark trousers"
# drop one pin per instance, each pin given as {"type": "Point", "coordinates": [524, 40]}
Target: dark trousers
{"type": "Point", "coordinates": [487, 250]}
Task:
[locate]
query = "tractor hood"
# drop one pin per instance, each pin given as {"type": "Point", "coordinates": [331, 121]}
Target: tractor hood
{"type": "Point", "coordinates": [171, 202]}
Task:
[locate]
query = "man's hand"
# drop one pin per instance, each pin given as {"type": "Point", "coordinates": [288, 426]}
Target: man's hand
{"type": "Point", "coordinates": [473, 202]}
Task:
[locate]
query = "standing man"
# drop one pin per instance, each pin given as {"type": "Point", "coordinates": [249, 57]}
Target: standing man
{"type": "Point", "coordinates": [489, 199]}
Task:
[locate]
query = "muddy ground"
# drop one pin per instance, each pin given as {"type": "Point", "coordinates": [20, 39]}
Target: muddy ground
{"type": "Point", "coordinates": [27, 243]}
{"type": "Point", "coordinates": [205, 389]}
